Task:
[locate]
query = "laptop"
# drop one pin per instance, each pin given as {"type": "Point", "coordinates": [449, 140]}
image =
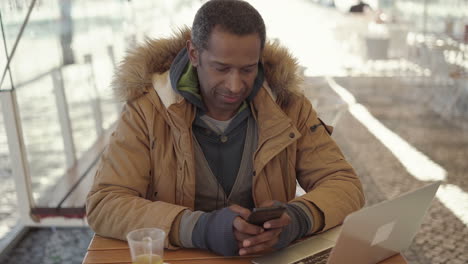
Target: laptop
{"type": "Point", "coordinates": [369, 235]}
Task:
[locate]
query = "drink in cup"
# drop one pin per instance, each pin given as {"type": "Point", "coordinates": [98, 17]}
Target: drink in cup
{"type": "Point", "coordinates": [146, 245]}
{"type": "Point", "coordinates": [148, 259]}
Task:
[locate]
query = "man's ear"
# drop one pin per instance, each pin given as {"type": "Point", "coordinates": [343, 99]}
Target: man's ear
{"type": "Point", "coordinates": [192, 53]}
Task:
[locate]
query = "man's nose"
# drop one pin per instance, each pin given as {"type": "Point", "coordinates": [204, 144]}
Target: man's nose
{"type": "Point", "coordinates": [235, 82]}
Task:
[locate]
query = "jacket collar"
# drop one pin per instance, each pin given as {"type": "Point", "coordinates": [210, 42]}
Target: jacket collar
{"type": "Point", "coordinates": [267, 112]}
{"type": "Point", "coordinates": [137, 72]}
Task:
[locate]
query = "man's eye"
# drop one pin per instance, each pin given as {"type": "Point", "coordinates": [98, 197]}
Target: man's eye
{"type": "Point", "coordinates": [222, 69]}
{"type": "Point", "coordinates": [248, 70]}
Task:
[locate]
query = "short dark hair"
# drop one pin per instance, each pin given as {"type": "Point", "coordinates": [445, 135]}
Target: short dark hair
{"type": "Point", "coordinates": [233, 16]}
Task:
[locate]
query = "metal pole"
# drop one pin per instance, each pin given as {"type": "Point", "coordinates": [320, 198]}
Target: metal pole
{"type": "Point", "coordinates": [96, 100]}
{"type": "Point", "coordinates": [110, 51]}
{"type": "Point", "coordinates": [18, 156]}
{"type": "Point", "coordinates": [64, 117]}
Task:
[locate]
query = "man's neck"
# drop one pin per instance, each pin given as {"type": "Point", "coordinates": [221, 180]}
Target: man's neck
{"type": "Point", "coordinates": [221, 116]}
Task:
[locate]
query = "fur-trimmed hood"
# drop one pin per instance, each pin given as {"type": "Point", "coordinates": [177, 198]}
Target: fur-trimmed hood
{"type": "Point", "coordinates": [133, 77]}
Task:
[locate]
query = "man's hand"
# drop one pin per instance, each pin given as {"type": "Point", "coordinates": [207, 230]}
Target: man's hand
{"type": "Point", "coordinates": [253, 239]}
{"type": "Point", "coordinates": [243, 229]}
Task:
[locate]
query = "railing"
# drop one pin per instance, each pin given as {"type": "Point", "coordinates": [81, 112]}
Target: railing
{"type": "Point", "coordinates": [56, 107]}
{"type": "Point", "coordinates": [56, 199]}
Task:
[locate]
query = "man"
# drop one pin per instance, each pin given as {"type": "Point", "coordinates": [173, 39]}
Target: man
{"type": "Point", "coordinates": [213, 127]}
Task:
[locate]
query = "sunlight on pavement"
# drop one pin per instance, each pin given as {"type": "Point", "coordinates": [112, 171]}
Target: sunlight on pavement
{"type": "Point", "coordinates": [415, 162]}
{"type": "Point", "coordinates": [455, 199]}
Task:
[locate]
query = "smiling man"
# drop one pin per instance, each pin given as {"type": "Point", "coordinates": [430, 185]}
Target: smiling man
{"type": "Point", "coordinates": [214, 126]}
{"type": "Point", "coordinates": [226, 70]}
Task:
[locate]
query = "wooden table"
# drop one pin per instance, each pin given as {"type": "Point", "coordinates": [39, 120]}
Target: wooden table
{"type": "Point", "coordinates": [105, 250]}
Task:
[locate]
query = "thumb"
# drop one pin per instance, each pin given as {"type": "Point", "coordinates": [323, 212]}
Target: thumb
{"type": "Point", "coordinates": [243, 212]}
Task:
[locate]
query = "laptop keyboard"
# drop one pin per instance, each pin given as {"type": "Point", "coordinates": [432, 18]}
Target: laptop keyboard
{"type": "Point", "coordinates": [319, 258]}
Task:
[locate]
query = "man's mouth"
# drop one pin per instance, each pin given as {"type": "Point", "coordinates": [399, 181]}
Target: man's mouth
{"type": "Point", "coordinates": [230, 99]}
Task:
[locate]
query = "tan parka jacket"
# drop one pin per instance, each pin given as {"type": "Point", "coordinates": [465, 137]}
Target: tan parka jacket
{"type": "Point", "coordinates": [146, 175]}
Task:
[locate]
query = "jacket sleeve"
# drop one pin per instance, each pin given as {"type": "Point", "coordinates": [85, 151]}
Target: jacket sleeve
{"type": "Point", "coordinates": [116, 203]}
{"type": "Point", "coordinates": [332, 187]}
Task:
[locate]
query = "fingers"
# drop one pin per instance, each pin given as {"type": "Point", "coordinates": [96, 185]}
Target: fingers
{"type": "Point", "coordinates": [239, 244]}
{"type": "Point", "coordinates": [262, 238]}
{"type": "Point", "coordinates": [253, 239]}
{"type": "Point", "coordinates": [243, 212]}
{"type": "Point", "coordinates": [241, 236]}
{"type": "Point", "coordinates": [242, 226]}
{"type": "Point", "coordinates": [259, 243]}
{"type": "Point", "coordinates": [257, 248]}
{"type": "Point", "coordinates": [284, 220]}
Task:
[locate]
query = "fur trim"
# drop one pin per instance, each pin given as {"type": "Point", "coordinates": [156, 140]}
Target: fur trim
{"type": "Point", "coordinates": [281, 72]}
{"type": "Point", "coordinates": [133, 76]}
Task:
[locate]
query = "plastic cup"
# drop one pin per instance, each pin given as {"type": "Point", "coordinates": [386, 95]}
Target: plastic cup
{"type": "Point", "coordinates": [146, 245]}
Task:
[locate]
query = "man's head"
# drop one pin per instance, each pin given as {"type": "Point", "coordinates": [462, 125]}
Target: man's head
{"type": "Point", "coordinates": [233, 16]}
{"type": "Point", "coordinates": [228, 37]}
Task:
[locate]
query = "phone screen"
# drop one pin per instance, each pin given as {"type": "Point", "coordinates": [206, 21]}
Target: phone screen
{"type": "Point", "coordinates": [262, 214]}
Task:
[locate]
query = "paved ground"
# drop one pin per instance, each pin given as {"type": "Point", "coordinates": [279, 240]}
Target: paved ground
{"type": "Point", "coordinates": [51, 246]}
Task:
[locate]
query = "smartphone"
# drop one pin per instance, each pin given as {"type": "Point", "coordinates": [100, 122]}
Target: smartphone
{"type": "Point", "coordinates": [262, 214]}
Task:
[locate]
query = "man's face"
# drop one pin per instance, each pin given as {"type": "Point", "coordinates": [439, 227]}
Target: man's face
{"type": "Point", "coordinates": [226, 71]}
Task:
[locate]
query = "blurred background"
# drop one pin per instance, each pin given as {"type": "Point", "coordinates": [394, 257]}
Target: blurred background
{"type": "Point", "coordinates": [391, 76]}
